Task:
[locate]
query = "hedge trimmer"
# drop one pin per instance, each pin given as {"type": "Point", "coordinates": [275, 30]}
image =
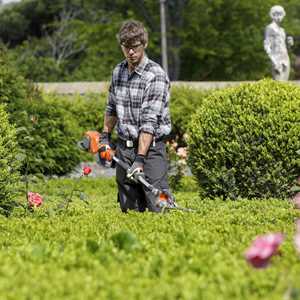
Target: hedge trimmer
{"type": "Point", "coordinates": [91, 143]}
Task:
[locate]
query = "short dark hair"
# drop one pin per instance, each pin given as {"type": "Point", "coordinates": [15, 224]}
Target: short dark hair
{"type": "Point", "coordinates": [132, 31]}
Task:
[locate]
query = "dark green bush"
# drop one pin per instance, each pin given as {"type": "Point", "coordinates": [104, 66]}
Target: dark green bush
{"type": "Point", "coordinates": [46, 130]}
{"type": "Point", "coordinates": [88, 110]}
{"type": "Point", "coordinates": [9, 165]}
{"type": "Point", "coordinates": [183, 103]}
{"type": "Point", "coordinates": [49, 135]}
{"type": "Point", "coordinates": [243, 141]}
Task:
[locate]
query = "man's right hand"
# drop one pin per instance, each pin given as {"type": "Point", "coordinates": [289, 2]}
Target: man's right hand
{"type": "Point", "coordinates": [105, 155]}
{"type": "Point", "coordinates": [105, 138]}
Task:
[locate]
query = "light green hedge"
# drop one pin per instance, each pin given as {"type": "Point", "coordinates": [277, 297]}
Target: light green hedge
{"type": "Point", "coordinates": [243, 141]}
{"type": "Point", "coordinates": [96, 252]}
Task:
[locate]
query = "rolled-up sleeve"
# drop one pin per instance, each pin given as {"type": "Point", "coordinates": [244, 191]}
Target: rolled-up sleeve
{"type": "Point", "coordinates": [154, 99]}
{"type": "Point", "coordinates": [111, 101]}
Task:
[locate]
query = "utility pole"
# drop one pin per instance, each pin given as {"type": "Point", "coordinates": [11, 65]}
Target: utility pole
{"type": "Point", "coordinates": [163, 35]}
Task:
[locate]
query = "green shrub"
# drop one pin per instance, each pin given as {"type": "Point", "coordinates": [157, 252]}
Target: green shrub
{"type": "Point", "coordinates": [47, 133]}
{"type": "Point", "coordinates": [9, 164]}
{"type": "Point", "coordinates": [88, 110]}
{"type": "Point", "coordinates": [13, 88]}
{"type": "Point", "coordinates": [183, 103]}
{"type": "Point", "coordinates": [243, 141]}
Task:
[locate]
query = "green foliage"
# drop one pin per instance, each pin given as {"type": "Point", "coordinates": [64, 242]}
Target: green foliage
{"type": "Point", "coordinates": [243, 141]}
{"type": "Point", "coordinates": [82, 253]}
{"type": "Point", "coordinates": [125, 240]}
{"type": "Point", "coordinates": [46, 130]}
{"type": "Point", "coordinates": [9, 165]}
{"type": "Point", "coordinates": [13, 87]}
{"type": "Point", "coordinates": [53, 133]}
{"type": "Point", "coordinates": [88, 110]}
{"type": "Point", "coordinates": [183, 103]}
{"type": "Point", "coordinates": [207, 40]}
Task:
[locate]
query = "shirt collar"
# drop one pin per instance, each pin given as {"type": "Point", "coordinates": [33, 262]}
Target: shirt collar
{"type": "Point", "coordinates": [140, 68]}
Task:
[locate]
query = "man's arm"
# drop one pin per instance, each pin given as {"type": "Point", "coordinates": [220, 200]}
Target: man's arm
{"type": "Point", "coordinates": [109, 123]}
{"type": "Point", "coordinates": [155, 96]}
{"type": "Point", "coordinates": [110, 116]}
{"type": "Point", "coordinates": [145, 140]}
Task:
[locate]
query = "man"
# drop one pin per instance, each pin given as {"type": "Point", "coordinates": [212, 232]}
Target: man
{"type": "Point", "coordinates": [138, 104]}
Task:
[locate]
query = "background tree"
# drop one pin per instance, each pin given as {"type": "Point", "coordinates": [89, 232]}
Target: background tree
{"type": "Point", "coordinates": [207, 40]}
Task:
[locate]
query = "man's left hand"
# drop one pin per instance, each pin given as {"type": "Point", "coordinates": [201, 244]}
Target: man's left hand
{"type": "Point", "coordinates": [137, 168]}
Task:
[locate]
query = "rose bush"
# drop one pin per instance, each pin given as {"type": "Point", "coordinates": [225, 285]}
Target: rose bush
{"type": "Point", "coordinates": [34, 199]}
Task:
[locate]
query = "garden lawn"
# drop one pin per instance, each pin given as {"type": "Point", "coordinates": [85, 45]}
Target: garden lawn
{"type": "Point", "coordinates": [93, 251]}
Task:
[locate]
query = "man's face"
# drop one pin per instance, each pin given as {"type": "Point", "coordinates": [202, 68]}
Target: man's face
{"type": "Point", "coordinates": [133, 52]}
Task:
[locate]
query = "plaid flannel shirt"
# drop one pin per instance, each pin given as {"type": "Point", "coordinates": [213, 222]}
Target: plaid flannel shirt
{"type": "Point", "coordinates": [140, 100]}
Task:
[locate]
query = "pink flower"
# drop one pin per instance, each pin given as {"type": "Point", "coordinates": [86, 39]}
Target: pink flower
{"type": "Point", "coordinates": [182, 152]}
{"type": "Point", "coordinates": [296, 200]}
{"type": "Point", "coordinates": [263, 248]}
{"type": "Point", "coordinates": [87, 171]}
{"type": "Point", "coordinates": [34, 199]}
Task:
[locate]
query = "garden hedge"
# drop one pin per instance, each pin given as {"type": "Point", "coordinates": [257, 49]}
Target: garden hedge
{"type": "Point", "coordinates": [183, 103]}
{"type": "Point", "coordinates": [46, 130]}
{"type": "Point", "coordinates": [9, 164]}
{"type": "Point", "coordinates": [243, 141]}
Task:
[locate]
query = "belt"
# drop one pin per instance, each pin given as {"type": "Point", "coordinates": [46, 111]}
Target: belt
{"type": "Point", "coordinates": [134, 143]}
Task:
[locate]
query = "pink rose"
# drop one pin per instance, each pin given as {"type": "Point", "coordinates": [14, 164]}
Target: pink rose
{"type": "Point", "coordinates": [263, 248]}
{"type": "Point", "coordinates": [87, 171]}
{"type": "Point", "coordinates": [182, 152]}
{"type": "Point", "coordinates": [34, 199]}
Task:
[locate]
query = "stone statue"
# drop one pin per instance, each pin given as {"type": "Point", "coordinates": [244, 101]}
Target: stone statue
{"type": "Point", "coordinates": [276, 43]}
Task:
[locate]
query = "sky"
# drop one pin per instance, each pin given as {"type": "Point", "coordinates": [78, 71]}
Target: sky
{"type": "Point", "coordinates": [8, 1]}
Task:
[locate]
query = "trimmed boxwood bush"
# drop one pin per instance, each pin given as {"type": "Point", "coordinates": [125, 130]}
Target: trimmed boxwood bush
{"type": "Point", "coordinates": [243, 141]}
{"type": "Point", "coordinates": [9, 164]}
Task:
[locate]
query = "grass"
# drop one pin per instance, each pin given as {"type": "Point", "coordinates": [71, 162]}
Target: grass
{"type": "Point", "coordinates": [95, 252]}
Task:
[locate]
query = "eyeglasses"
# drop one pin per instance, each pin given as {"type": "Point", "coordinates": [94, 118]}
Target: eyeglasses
{"type": "Point", "coordinates": [132, 47]}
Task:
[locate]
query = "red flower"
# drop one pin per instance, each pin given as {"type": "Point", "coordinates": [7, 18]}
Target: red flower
{"type": "Point", "coordinates": [34, 199]}
{"type": "Point", "coordinates": [87, 171]}
{"type": "Point", "coordinates": [263, 248]}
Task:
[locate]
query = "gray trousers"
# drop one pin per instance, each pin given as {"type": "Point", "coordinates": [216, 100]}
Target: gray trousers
{"type": "Point", "coordinates": [132, 195]}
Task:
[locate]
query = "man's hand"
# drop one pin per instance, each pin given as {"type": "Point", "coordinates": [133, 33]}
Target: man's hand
{"type": "Point", "coordinates": [105, 156]}
{"type": "Point", "coordinates": [105, 138]}
{"type": "Point", "coordinates": [137, 168]}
